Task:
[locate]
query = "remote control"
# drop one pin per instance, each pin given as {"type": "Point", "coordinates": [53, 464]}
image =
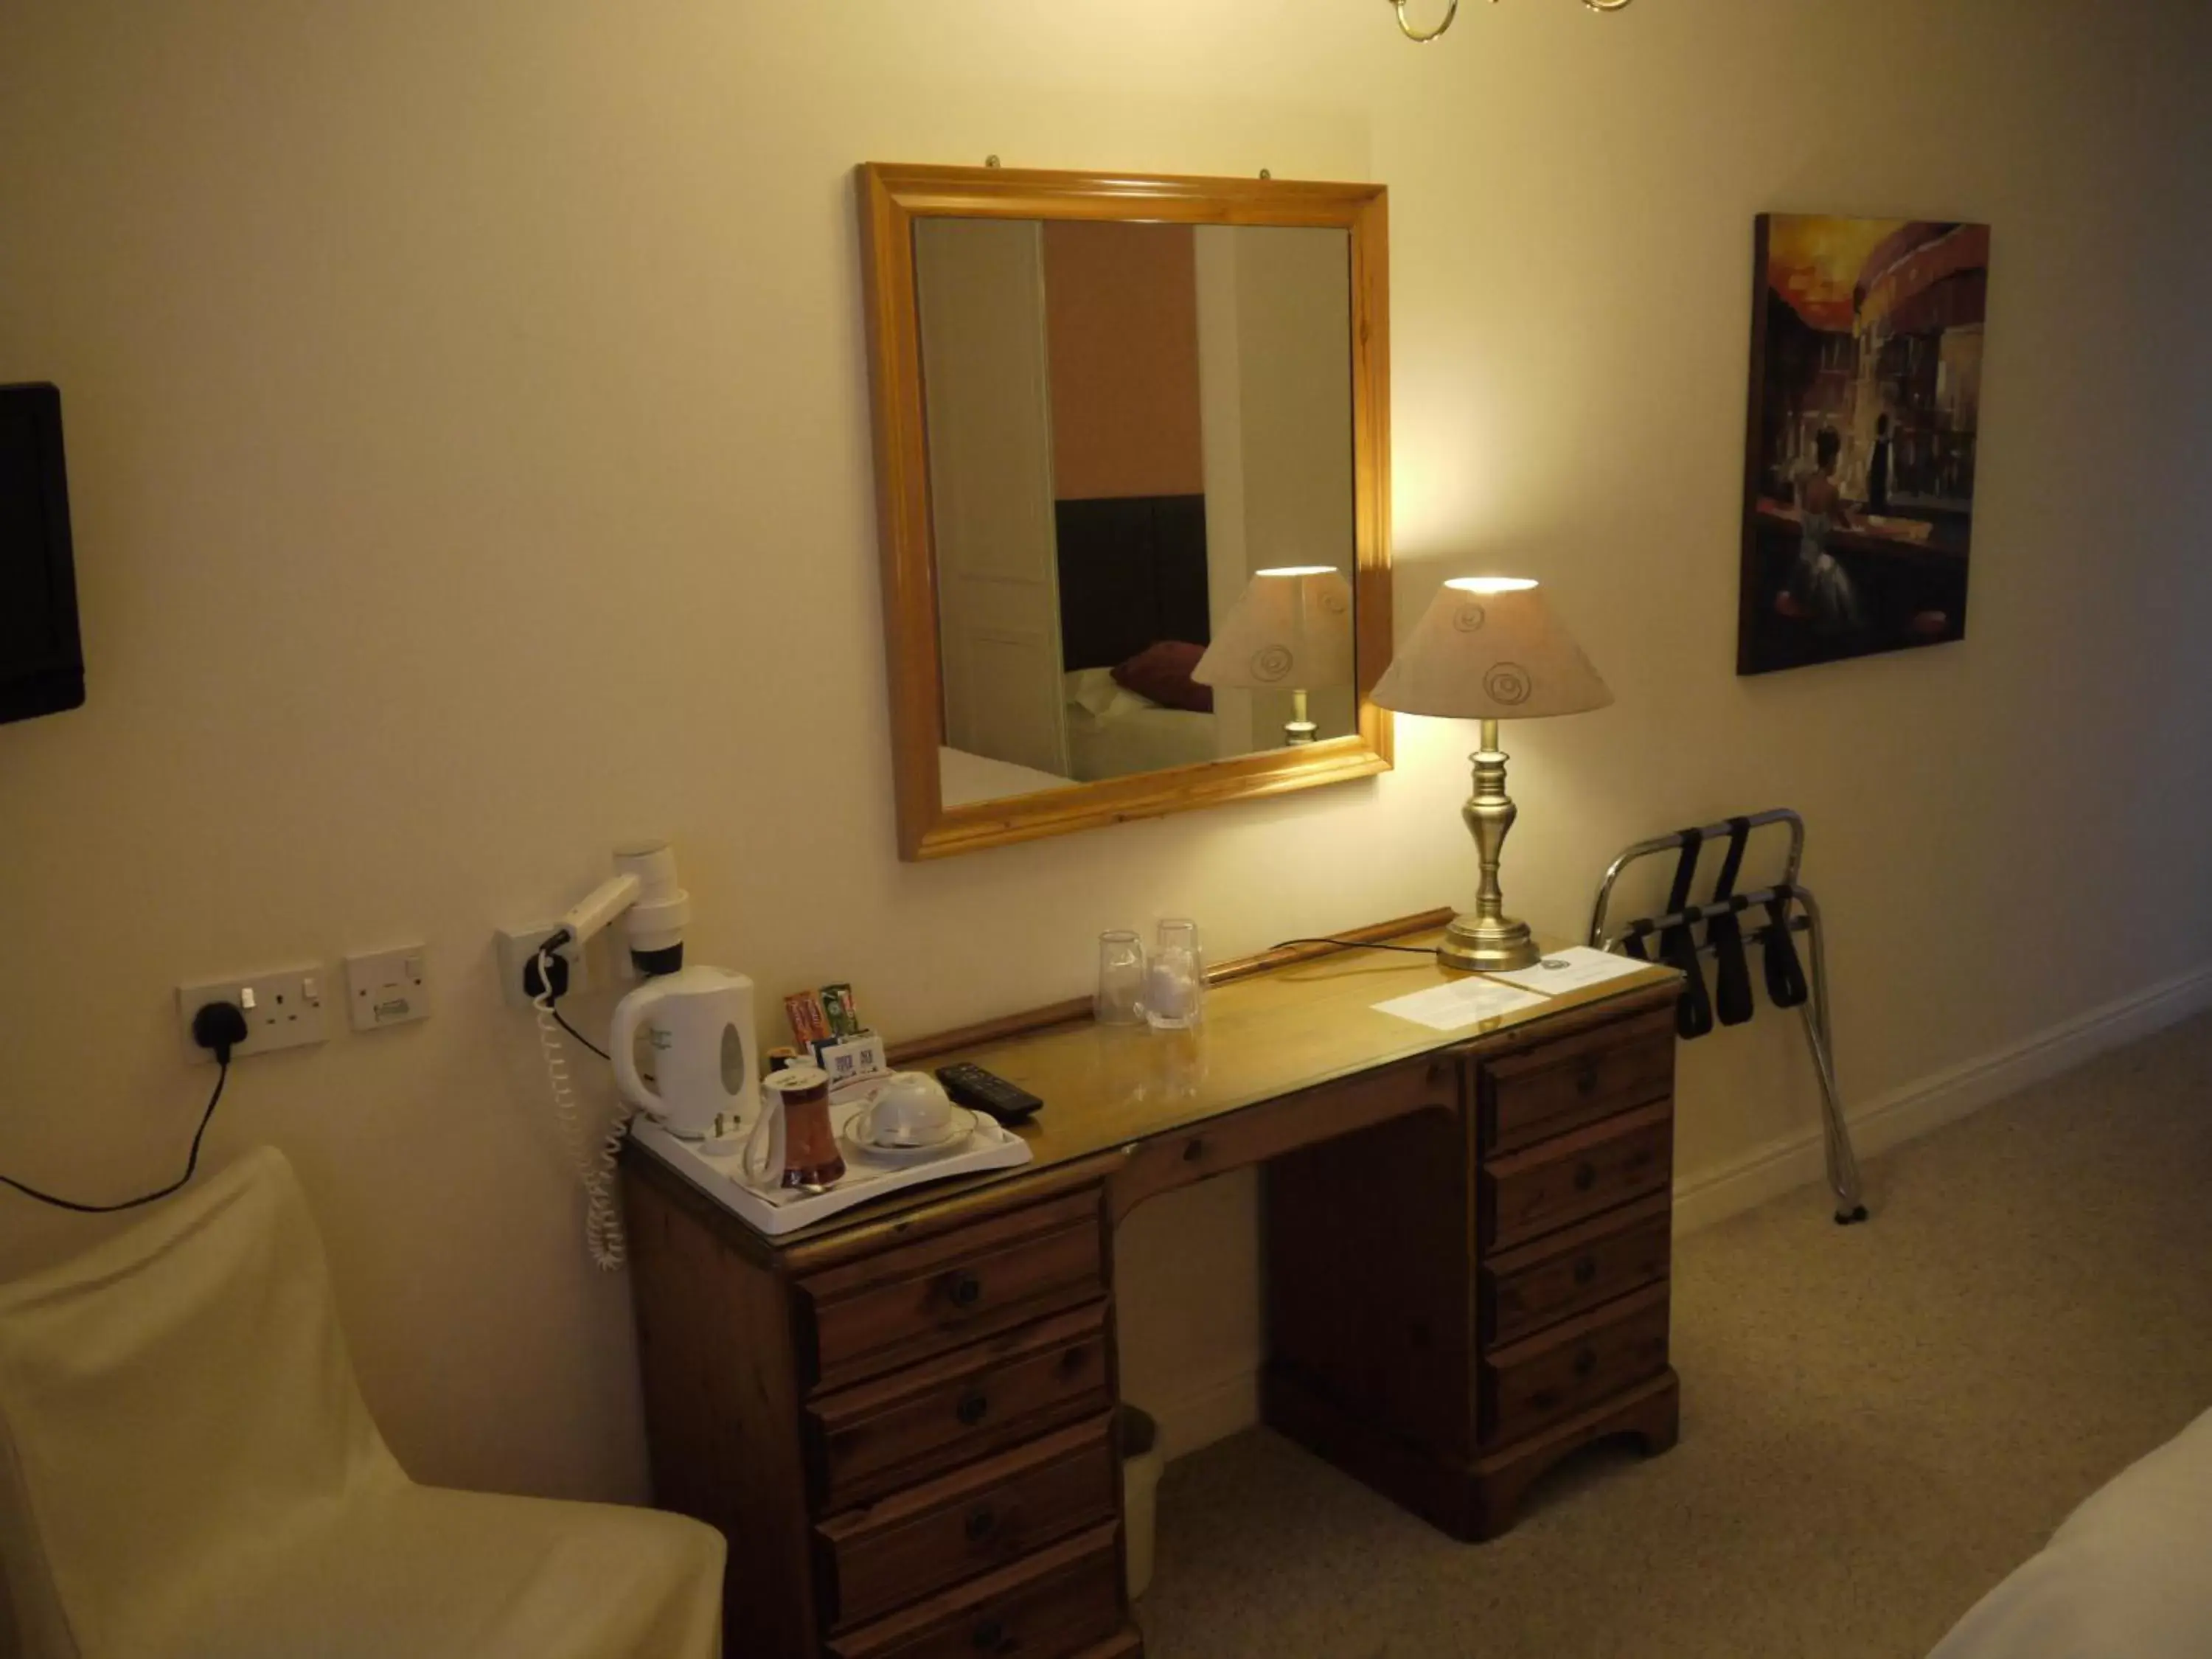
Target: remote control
{"type": "Point", "coordinates": [987, 1091]}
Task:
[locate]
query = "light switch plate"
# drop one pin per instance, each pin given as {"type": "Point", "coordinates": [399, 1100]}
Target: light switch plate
{"type": "Point", "coordinates": [285, 1008]}
{"type": "Point", "coordinates": [387, 987]}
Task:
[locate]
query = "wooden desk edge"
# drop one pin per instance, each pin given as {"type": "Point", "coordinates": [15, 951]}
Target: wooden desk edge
{"type": "Point", "coordinates": [909, 1213]}
{"type": "Point", "coordinates": [1075, 1009]}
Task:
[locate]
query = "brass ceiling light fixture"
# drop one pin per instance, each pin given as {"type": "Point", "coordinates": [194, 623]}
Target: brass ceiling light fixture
{"type": "Point", "coordinates": [1451, 10]}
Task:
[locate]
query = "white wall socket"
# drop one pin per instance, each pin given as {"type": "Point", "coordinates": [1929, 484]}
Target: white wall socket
{"type": "Point", "coordinates": [517, 945]}
{"type": "Point", "coordinates": [285, 1008]}
{"type": "Point", "coordinates": [387, 987]}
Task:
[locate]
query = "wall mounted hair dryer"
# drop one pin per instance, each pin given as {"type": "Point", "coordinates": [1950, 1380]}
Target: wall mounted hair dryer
{"type": "Point", "coordinates": [681, 1043]}
{"type": "Point", "coordinates": [643, 892]}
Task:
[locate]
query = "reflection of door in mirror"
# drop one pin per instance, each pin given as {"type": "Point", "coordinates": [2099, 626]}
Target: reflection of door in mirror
{"type": "Point", "coordinates": [1125, 423]}
{"type": "Point", "coordinates": [981, 283]}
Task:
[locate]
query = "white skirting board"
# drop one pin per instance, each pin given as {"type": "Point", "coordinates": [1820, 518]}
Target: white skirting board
{"type": "Point", "coordinates": [1783, 1166]}
{"type": "Point", "coordinates": [1222, 1405]}
{"type": "Point", "coordinates": [1208, 1411]}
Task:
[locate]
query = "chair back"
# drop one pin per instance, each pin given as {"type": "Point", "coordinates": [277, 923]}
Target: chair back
{"type": "Point", "coordinates": [172, 1400]}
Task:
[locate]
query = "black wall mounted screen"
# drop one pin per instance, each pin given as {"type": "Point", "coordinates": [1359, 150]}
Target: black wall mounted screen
{"type": "Point", "coordinates": [41, 652]}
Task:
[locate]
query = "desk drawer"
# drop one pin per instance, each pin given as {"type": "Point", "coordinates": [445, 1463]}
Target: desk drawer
{"type": "Point", "coordinates": [1528, 1194]}
{"type": "Point", "coordinates": [919, 1540]}
{"type": "Point", "coordinates": [1236, 1140]}
{"type": "Point", "coordinates": [1574, 1367]}
{"type": "Point", "coordinates": [1060, 1601]}
{"type": "Point", "coordinates": [1557, 1086]}
{"type": "Point", "coordinates": [878, 1436]}
{"type": "Point", "coordinates": [901, 1305]}
{"type": "Point", "coordinates": [1539, 1284]}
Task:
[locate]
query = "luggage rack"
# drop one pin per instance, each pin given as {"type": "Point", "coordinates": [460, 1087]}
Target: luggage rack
{"type": "Point", "coordinates": [1791, 909]}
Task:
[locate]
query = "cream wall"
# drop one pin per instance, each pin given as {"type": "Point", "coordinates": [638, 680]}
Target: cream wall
{"type": "Point", "coordinates": [466, 418]}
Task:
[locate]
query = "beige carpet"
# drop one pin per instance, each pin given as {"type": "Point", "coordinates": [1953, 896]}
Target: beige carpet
{"type": "Point", "coordinates": [1878, 1422]}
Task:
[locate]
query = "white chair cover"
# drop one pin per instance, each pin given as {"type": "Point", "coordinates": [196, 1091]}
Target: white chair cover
{"type": "Point", "coordinates": [187, 1471]}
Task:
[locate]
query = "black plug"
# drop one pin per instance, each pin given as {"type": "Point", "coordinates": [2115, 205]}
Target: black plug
{"type": "Point", "coordinates": [219, 1027]}
{"type": "Point", "coordinates": [533, 982]}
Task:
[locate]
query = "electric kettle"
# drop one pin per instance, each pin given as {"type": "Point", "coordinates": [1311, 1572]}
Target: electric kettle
{"type": "Point", "coordinates": [696, 1026]}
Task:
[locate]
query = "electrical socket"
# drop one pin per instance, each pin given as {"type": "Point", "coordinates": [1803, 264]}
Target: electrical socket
{"type": "Point", "coordinates": [284, 1009]}
{"type": "Point", "coordinates": [517, 951]}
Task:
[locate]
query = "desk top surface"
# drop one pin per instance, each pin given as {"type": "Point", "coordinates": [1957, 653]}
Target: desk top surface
{"type": "Point", "coordinates": [1270, 1035]}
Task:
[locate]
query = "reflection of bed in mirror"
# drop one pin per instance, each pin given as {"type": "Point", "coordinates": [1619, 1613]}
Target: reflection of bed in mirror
{"type": "Point", "coordinates": [963, 777]}
{"type": "Point", "coordinates": [1132, 588]}
{"type": "Point", "coordinates": [1113, 731]}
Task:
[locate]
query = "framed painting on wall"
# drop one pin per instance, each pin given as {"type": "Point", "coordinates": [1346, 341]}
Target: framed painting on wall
{"type": "Point", "coordinates": [1866, 380]}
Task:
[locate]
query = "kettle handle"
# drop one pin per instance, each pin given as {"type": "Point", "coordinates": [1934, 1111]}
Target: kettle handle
{"type": "Point", "coordinates": [622, 1045]}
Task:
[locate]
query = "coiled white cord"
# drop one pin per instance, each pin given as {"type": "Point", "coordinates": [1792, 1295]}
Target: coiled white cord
{"type": "Point", "coordinates": [595, 1165]}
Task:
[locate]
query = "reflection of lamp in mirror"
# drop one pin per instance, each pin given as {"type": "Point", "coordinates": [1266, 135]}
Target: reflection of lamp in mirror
{"type": "Point", "coordinates": [1422, 36]}
{"type": "Point", "coordinates": [1290, 630]}
{"type": "Point", "coordinates": [1489, 648]}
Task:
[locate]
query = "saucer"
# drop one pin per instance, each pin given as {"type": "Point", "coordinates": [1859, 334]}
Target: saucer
{"type": "Point", "coordinates": [961, 1127]}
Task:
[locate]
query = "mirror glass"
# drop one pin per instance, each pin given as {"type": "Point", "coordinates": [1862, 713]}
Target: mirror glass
{"type": "Point", "coordinates": [1140, 461]}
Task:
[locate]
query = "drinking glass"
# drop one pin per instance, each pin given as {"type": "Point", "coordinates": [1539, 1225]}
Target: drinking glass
{"type": "Point", "coordinates": [1121, 997]}
{"type": "Point", "coordinates": [1175, 988]}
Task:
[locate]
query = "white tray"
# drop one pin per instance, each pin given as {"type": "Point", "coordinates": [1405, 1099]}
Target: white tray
{"type": "Point", "coordinates": [721, 1177]}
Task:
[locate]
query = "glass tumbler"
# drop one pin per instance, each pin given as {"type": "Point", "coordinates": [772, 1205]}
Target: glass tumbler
{"type": "Point", "coordinates": [1121, 997]}
{"type": "Point", "coordinates": [1174, 987]}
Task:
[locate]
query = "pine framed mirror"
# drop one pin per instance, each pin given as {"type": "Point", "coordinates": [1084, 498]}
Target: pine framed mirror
{"type": "Point", "coordinates": [1133, 492]}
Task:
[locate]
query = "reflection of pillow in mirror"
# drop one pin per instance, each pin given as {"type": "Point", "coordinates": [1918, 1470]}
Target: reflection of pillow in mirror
{"type": "Point", "coordinates": [1162, 671]}
{"type": "Point", "coordinates": [1091, 690]}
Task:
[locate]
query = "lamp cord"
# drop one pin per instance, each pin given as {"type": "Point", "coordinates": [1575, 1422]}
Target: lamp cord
{"type": "Point", "coordinates": [1358, 945]}
{"type": "Point", "coordinates": [192, 1163]}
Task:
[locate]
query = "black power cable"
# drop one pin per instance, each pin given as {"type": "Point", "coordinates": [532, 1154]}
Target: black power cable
{"type": "Point", "coordinates": [577, 1033]}
{"type": "Point", "coordinates": [547, 975]}
{"type": "Point", "coordinates": [218, 1027]}
{"type": "Point", "coordinates": [1359, 945]}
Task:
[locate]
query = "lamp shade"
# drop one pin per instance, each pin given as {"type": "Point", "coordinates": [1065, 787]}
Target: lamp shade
{"type": "Point", "coordinates": [1489, 647]}
{"type": "Point", "coordinates": [1290, 628]}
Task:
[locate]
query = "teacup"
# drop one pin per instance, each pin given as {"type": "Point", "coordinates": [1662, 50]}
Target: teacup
{"type": "Point", "coordinates": [908, 1108]}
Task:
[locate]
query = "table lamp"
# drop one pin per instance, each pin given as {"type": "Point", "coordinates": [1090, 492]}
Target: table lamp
{"type": "Point", "coordinates": [1290, 629]}
{"type": "Point", "coordinates": [1489, 648]}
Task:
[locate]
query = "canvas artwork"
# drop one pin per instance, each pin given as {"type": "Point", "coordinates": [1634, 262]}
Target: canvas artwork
{"type": "Point", "coordinates": [1866, 379]}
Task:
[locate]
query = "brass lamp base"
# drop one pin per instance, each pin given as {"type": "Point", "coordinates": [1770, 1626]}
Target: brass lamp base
{"type": "Point", "coordinates": [1489, 941]}
{"type": "Point", "coordinates": [1488, 946]}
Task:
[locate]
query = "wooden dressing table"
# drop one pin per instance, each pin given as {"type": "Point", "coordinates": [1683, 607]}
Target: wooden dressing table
{"type": "Point", "coordinates": [901, 1418]}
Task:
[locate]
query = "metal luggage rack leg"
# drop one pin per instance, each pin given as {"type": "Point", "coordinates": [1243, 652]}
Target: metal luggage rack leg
{"type": "Point", "coordinates": [1799, 912]}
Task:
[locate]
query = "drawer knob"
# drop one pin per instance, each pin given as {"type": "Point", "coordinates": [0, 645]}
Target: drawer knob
{"type": "Point", "coordinates": [1585, 1271]}
{"type": "Point", "coordinates": [1586, 1080]}
{"type": "Point", "coordinates": [967, 1290]}
{"type": "Point", "coordinates": [974, 1406]}
{"type": "Point", "coordinates": [1585, 1362]}
{"type": "Point", "coordinates": [1193, 1149]}
{"type": "Point", "coordinates": [1585, 1177]}
{"type": "Point", "coordinates": [981, 1523]}
{"type": "Point", "coordinates": [990, 1636]}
